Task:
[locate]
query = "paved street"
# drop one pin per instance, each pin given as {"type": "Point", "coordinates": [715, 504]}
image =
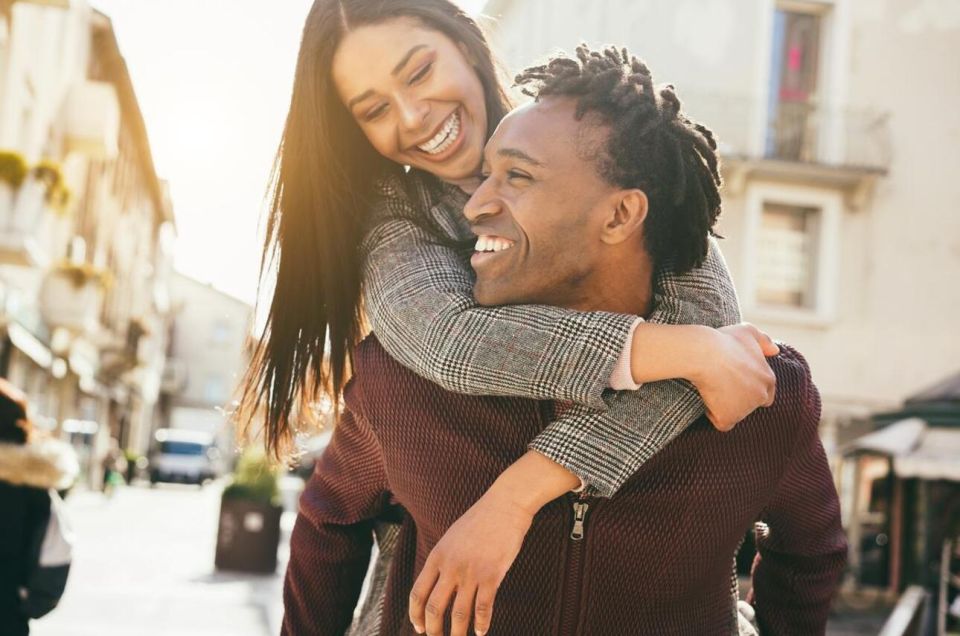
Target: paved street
{"type": "Point", "coordinates": [143, 565]}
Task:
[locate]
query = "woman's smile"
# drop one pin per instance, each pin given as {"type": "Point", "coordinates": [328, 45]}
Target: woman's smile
{"type": "Point", "coordinates": [447, 141]}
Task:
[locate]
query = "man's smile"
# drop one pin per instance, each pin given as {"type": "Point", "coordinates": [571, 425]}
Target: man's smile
{"type": "Point", "coordinates": [489, 248]}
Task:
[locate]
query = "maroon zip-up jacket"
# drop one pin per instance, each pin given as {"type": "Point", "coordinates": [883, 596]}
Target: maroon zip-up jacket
{"type": "Point", "coordinates": [654, 559]}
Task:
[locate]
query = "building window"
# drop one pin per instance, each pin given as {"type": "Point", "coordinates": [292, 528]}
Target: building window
{"type": "Point", "coordinates": [215, 389]}
{"type": "Point", "coordinates": [787, 255]}
{"type": "Point", "coordinates": [792, 254]}
{"type": "Point", "coordinates": [793, 91]}
{"type": "Point", "coordinates": [220, 333]}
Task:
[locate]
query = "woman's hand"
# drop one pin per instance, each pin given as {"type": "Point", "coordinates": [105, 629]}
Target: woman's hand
{"type": "Point", "coordinates": [728, 366]}
{"type": "Point", "coordinates": [471, 559]}
{"type": "Point", "coordinates": [467, 566]}
{"type": "Point", "coordinates": [733, 375]}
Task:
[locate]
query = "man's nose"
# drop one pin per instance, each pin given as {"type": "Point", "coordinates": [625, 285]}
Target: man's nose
{"type": "Point", "coordinates": [482, 203]}
{"type": "Point", "coordinates": [413, 113]}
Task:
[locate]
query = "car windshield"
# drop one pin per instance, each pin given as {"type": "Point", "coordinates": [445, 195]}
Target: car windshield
{"type": "Point", "coordinates": [181, 448]}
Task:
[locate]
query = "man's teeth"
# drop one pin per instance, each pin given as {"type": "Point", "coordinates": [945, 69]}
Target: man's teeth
{"type": "Point", "coordinates": [492, 244]}
{"type": "Point", "coordinates": [445, 138]}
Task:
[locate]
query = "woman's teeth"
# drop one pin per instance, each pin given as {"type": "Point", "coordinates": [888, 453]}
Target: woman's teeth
{"type": "Point", "coordinates": [445, 137]}
{"type": "Point", "coordinates": [492, 244]}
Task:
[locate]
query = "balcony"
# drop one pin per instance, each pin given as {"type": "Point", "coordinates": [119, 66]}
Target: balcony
{"type": "Point", "coordinates": [834, 146]}
{"type": "Point", "coordinates": [56, 4]}
{"type": "Point", "coordinates": [71, 298]}
{"type": "Point", "coordinates": [31, 207]}
{"type": "Point", "coordinates": [92, 120]}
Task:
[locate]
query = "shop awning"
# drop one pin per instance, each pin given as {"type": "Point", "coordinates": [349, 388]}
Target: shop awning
{"type": "Point", "coordinates": [896, 440]}
{"type": "Point", "coordinates": [947, 390]}
{"type": "Point", "coordinates": [936, 457]}
{"type": "Point", "coordinates": [917, 449]}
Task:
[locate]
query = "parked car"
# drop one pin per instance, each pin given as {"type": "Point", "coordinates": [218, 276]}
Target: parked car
{"type": "Point", "coordinates": [184, 456]}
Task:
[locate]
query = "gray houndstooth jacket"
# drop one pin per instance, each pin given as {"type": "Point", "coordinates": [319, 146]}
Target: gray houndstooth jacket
{"type": "Point", "coordinates": [418, 291]}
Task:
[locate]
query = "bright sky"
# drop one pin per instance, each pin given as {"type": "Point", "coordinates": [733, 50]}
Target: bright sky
{"type": "Point", "coordinates": [213, 79]}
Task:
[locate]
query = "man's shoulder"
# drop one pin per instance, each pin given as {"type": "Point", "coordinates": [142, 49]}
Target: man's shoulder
{"type": "Point", "coordinates": [371, 359]}
{"type": "Point", "coordinates": [796, 405]}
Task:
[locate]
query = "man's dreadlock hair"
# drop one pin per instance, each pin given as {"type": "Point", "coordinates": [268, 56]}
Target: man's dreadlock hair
{"type": "Point", "coordinates": [651, 146]}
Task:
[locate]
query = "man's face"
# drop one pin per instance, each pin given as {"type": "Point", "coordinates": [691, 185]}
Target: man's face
{"type": "Point", "coordinates": [539, 210]}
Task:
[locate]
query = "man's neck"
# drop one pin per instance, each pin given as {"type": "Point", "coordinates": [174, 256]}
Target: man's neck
{"type": "Point", "coordinates": [623, 286]}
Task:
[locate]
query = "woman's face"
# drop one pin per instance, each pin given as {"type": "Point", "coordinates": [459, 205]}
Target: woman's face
{"type": "Point", "coordinates": [416, 97]}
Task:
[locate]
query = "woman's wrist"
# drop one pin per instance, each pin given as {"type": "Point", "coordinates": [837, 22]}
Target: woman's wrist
{"type": "Point", "coordinates": [532, 482]}
{"type": "Point", "coordinates": [664, 352]}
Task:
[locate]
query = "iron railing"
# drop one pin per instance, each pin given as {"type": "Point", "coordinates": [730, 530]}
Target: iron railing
{"type": "Point", "coordinates": [802, 132]}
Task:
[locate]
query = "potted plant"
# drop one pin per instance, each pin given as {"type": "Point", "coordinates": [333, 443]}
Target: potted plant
{"type": "Point", "coordinates": [249, 530]}
{"type": "Point", "coordinates": [13, 170]}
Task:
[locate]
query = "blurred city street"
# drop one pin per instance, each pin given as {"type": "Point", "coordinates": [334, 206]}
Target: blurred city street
{"type": "Point", "coordinates": [143, 564]}
{"type": "Point", "coordinates": [138, 184]}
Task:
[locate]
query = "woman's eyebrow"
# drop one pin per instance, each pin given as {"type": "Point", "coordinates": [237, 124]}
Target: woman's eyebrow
{"type": "Point", "coordinates": [359, 98]}
{"type": "Point", "coordinates": [396, 69]}
{"type": "Point", "coordinates": [406, 58]}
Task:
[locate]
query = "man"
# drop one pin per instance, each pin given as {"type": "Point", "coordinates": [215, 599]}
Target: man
{"type": "Point", "coordinates": [570, 214]}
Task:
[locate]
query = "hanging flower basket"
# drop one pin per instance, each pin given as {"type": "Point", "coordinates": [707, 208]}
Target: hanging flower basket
{"type": "Point", "coordinates": [83, 274]}
{"type": "Point", "coordinates": [55, 191]}
{"type": "Point", "coordinates": [13, 168]}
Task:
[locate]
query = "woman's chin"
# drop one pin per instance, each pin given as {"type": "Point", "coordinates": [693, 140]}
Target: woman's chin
{"type": "Point", "coordinates": [459, 173]}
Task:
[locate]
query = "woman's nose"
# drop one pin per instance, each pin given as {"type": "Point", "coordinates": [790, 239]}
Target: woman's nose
{"type": "Point", "coordinates": [413, 113]}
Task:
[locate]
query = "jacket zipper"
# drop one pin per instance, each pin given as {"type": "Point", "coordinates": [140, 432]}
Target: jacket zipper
{"type": "Point", "coordinates": [570, 607]}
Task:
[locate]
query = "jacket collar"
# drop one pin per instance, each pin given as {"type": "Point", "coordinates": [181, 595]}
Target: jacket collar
{"type": "Point", "coordinates": [48, 463]}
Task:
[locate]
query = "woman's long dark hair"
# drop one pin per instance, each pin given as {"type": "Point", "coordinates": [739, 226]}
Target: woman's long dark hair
{"type": "Point", "coordinates": [323, 183]}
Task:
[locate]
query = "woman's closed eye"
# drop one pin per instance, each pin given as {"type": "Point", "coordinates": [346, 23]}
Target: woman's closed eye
{"type": "Point", "coordinates": [420, 74]}
{"type": "Point", "coordinates": [374, 112]}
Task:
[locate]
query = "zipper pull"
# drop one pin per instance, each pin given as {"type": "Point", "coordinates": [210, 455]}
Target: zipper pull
{"type": "Point", "coordinates": [579, 514]}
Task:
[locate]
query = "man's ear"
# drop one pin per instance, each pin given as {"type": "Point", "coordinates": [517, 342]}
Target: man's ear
{"type": "Point", "coordinates": [628, 211]}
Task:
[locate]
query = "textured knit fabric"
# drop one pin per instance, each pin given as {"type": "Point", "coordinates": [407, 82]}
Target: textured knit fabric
{"type": "Point", "coordinates": [655, 558]}
{"type": "Point", "coordinates": [418, 290]}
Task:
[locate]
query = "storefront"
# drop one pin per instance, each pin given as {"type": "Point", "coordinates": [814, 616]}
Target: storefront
{"type": "Point", "coordinates": [901, 489]}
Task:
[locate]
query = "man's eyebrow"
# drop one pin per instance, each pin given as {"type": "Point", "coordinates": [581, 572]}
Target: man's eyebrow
{"type": "Point", "coordinates": [406, 58]}
{"type": "Point", "coordinates": [516, 153]}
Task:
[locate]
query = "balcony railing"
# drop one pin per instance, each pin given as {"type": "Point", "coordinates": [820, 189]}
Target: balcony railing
{"type": "Point", "coordinates": [801, 132]}
{"type": "Point", "coordinates": [21, 214]}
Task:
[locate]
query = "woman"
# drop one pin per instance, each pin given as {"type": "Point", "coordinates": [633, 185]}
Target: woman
{"type": "Point", "coordinates": [29, 469]}
{"type": "Point", "coordinates": [347, 217]}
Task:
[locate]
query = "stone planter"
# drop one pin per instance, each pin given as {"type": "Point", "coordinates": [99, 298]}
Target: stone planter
{"type": "Point", "coordinates": [248, 536]}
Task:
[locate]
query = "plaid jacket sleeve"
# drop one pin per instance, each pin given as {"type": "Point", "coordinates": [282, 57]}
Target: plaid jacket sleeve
{"type": "Point", "coordinates": [418, 290]}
